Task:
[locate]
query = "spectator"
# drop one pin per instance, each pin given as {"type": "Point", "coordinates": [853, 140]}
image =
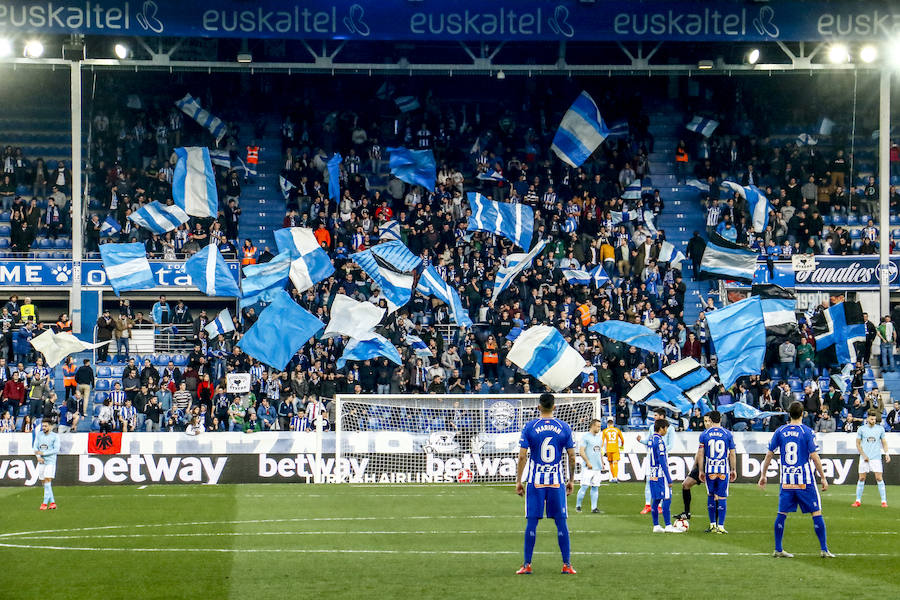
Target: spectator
{"type": "Point", "coordinates": [123, 327]}
{"type": "Point", "coordinates": [887, 337]}
{"type": "Point", "coordinates": [787, 354]}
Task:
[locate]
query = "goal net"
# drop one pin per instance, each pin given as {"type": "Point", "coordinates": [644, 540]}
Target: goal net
{"type": "Point", "coordinates": [442, 438]}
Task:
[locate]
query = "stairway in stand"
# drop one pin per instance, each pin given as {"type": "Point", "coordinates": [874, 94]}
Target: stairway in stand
{"type": "Point", "coordinates": [262, 205]}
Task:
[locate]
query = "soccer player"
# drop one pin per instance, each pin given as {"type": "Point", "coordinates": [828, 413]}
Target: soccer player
{"type": "Point", "coordinates": [549, 441]}
{"type": "Point", "coordinates": [660, 480]}
{"type": "Point", "coordinates": [796, 444]}
{"type": "Point", "coordinates": [589, 449]}
{"type": "Point", "coordinates": [46, 447]}
{"type": "Point", "coordinates": [871, 443]}
{"type": "Point", "coordinates": [613, 442]}
{"type": "Point", "coordinates": [658, 414]}
{"type": "Point", "coordinates": [716, 454]}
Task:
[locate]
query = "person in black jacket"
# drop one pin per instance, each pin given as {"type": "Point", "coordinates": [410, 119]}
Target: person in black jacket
{"type": "Point", "coordinates": [695, 249]}
{"type": "Point", "coordinates": [105, 328]}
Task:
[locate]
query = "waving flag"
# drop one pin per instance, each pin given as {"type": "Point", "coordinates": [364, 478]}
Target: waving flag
{"type": "Point", "coordinates": [492, 176]}
{"type": "Point", "coordinates": [281, 330]}
{"type": "Point", "coordinates": [415, 167]}
{"type": "Point", "coordinates": [668, 254]}
{"type": "Point", "coordinates": [826, 126]}
{"type": "Point", "coordinates": [723, 259]}
{"type": "Point", "coordinates": [779, 307]}
{"type": "Point", "coordinates": [110, 226]}
{"type": "Point", "coordinates": [210, 273]}
{"type": "Point", "coordinates": [432, 284]}
{"type": "Point", "coordinates": [262, 282]}
{"type": "Point", "coordinates": [577, 276]}
{"type": "Point", "coordinates": [310, 264]}
{"type": "Point", "coordinates": [618, 217]}
{"type": "Point", "coordinates": [542, 352]}
{"type": "Point", "coordinates": [841, 331]}
{"type": "Point", "coordinates": [222, 324]}
{"type": "Point", "coordinates": [56, 346]}
{"type": "Point", "coordinates": [633, 191]}
{"type": "Point", "coordinates": [631, 334]}
{"type": "Point", "coordinates": [407, 103]}
{"type": "Point", "coordinates": [570, 226]}
{"type": "Point", "coordinates": [805, 139]}
{"type": "Point", "coordinates": [513, 221]}
{"type": "Point", "coordinates": [757, 203]}
{"type": "Point", "coordinates": [618, 128]}
{"type": "Point", "coordinates": [738, 332]}
{"type": "Point", "coordinates": [389, 230]}
{"type": "Point", "coordinates": [397, 256]}
{"type": "Point", "coordinates": [127, 267]}
{"type": "Point", "coordinates": [390, 264]}
{"type": "Point", "coordinates": [581, 131]}
{"type": "Point", "coordinates": [515, 264]}
{"type": "Point", "coordinates": [703, 126]}
{"type": "Point", "coordinates": [696, 183]}
{"type": "Point", "coordinates": [352, 318]}
{"type": "Point", "coordinates": [221, 158]}
{"type": "Point", "coordinates": [372, 346]}
{"type": "Point", "coordinates": [742, 410]}
{"type": "Point", "coordinates": [158, 217]}
{"type": "Point", "coordinates": [194, 183]}
{"type": "Point", "coordinates": [681, 384]}
{"type": "Point", "coordinates": [419, 347]}
{"type": "Point", "coordinates": [599, 277]}
{"type": "Point", "coordinates": [204, 118]}
{"type": "Point", "coordinates": [286, 186]}
{"type": "Point", "coordinates": [334, 176]}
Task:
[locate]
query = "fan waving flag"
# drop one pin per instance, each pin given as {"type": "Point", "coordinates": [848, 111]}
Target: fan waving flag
{"type": "Point", "coordinates": [703, 126]}
{"type": "Point", "coordinates": [127, 267]}
{"type": "Point", "coordinates": [738, 332]}
{"type": "Point", "coordinates": [581, 131]}
{"type": "Point", "coordinates": [194, 183]}
{"type": "Point", "coordinates": [415, 167]}
{"type": "Point", "coordinates": [221, 158]}
{"type": "Point", "coordinates": [513, 221]}
{"type": "Point", "coordinates": [57, 346]}
{"type": "Point", "coordinates": [723, 259]}
{"type": "Point", "coordinates": [668, 254]}
{"type": "Point", "coordinates": [841, 331]}
{"type": "Point", "coordinates": [389, 230]}
{"type": "Point", "coordinates": [204, 118]}
{"type": "Point", "coordinates": [210, 273]}
{"type": "Point", "coordinates": [542, 352]}
{"type": "Point", "coordinates": [577, 276]}
{"type": "Point", "coordinates": [407, 103]}
{"type": "Point", "coordinates": [352, 318]}
{"type": "Point", "coordinates": [757, 203]}
{"type": "Point", "coordinates": [432, 284]}
{"type": "Point", "coordinates": [372, 346]}
{"type": "Point", "coordinates": [285, 185]}
{"type": "Point", "coordinates": [779, 307]}
{"type": "Point", "coordinates": [222, 324]}
{"type": "Point", "coordinates": [334, 177]}
{"type": "Point", "coordinates": [281, 330]}
{"type": "Point", "coordinates": [310, 264]}
{"type": "Point", "coordinates": [262, 282]}
{"type": "Point", "coordinates": [681, 384]}
{"type": "Point", "coordinates": [742, 410]}
{"type": "Point", "coordinates": [419, 347]}
{"type": "Point", "coordinates": [631, 334]}
{"type": "Point", "coordinates": [633, 191]}
{"type": "Point", "coordinates": [110, 226]}
{"type": "Point", "coordinates": [515, 264]}
{"type": "Point", "coordinates": [159, 218]}
{"type": "Point", "coordinates": [390, 265]}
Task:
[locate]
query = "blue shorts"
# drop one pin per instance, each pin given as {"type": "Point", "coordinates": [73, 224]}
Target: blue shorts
{"type": "Point", "coordinates": [807, 499]}
{"type": "Point", "coordinates": [659, 489]}
{"type": "Point", "coordinates": [551, 498]}
{"type": "Point", "coordinates": [717, 486]}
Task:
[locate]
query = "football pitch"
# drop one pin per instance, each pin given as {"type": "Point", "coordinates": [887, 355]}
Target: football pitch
{"type": "Point", "coordinates": [428, 541]}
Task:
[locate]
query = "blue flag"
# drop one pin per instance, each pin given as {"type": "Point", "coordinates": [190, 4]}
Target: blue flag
{"type": "Point", "coordinates": [334, 177]}
{"type": "Point", "coordinates": [515, 264]}
{"type": "Point", "coordinates": [210, 273]}
{"type": "Point", "coordinates": [310, 263]}
{"type": "Point", "coordinates": [633, 191]}
{"type": "Point", "coordinates": [395, 284]}
{"type": "Point", "coordinates": [221, 158]}
{"type": "Point", "coordinates": [723, 259]}
{"type": "Point", "coordinates": [222, 324]}
{"type": "Point", "coordinates": [397, 256]}
{"type": "Point", "coordinates": [286, 186]}
{"type": "Point", "coordinates": [757, 203]}
{"type": "Point", "coordinates": [571, 225]}
{"type": "Point", "coordinates": [194, 183]}
{"type": "Point", "coordinates": [262, 282]}
{"type": "Point", "coordinates": [416, 167]}
{"type": "Point", "coordinates": [513, 221]}
{"type": "Point", "coordinates": [281, 330]}
{"type": "Point", "coordinates": [843, 327]}
{"type": "Point", "coordinates": [599, 276]}
{"type": "Point", "coordinates": [204, 118]}
{"type": "Point", "coordinates": [432, 284]}
{"type": "Point", "coordinates": [681, 384]}
{"type": "Point", "coordinates": [542, 352]}
{"type": "Point", "coordinates": [738, 333]}
{"type": "Point", "coordinates": [372, 346]}
{"type": "Point", "coordinates": [577, 276]}
{"type": "Point", "coordinates": [110, 226]}
{"type": "Point", "coordinates": [158, 217]}
{"type": "Point", "coordinates": [702, 125]}
{"type": "Point", "coordinates": [742, 410]}
{"type": "Point", "coordinates": [419, 347]}
{"type": "Point", "coordinates": [631, 334]}
{"type": "Point", "coordinates": [127, 267]}
{"type": "Point", "coordinates": [581, 131]}
{"type": "Point", "coordinates": [389, 230]}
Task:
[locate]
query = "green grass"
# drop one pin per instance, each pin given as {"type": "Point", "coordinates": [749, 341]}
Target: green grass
{"type": "Point", "coordinates": [440, 541]}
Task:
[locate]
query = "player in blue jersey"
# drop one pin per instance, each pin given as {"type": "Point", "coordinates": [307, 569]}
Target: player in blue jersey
{"type": "Point", "coordinates": [717, 461]}
{"type": "Point", "coordinates": [544, 444]}
{"type": "Point", "coordinates": [590, 450]}
{"type": "Point", "coordinates": [796, 445]}
{"type": "Point", "coordinates": [660, 480]}
{"type": "Point", "coordinates": [871, 442]}
{"type": "Point", "coordinates": [669, 438]}
{"type": "Point", "coordinates": [46, 447]}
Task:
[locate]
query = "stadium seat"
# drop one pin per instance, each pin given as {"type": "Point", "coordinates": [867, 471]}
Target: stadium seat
{"type": "Point", "coordinates": [62, 243]}
{"type": "Point", "coordinates": [869, 373]}
{"type": "Point", "coordinates": [855, 234]}
{"type": "Point", "coordinates": [856, 245]}
{"type": "Point", "coordinates": [838, 220]}
{"type": "Point", "coordinates": [103, 372]}
{"type": "Point", "coordinates": [117, 371]}
{"type": "Point", "coordinates": [5, 217]}
{"type": "Point", "coordinates": [869, 385]}
{"type": "Point", "coordinates": [852, 220]}
{"type": "Point", "coordinates": [4, 230]}
{"type": "Point", "coordinates": [4, 243]}
{"type": "Point", "coordinates": [102, 385]}
{"type": "Point", "coordinates": [96, 411]}
{"type": "Point", "coordinates": [895, 220]}
{"type": "Point", "coordinates": [160, 360]}
{"type": "Point", "coordinates": [864, 219]}
{"type": "Point", "coordinates": [895, 234]}
{"type": "Point", "coordinates": [180, 360]}
{"type": "Point", "coordinates": [775, 373]}
{"type": "Point", "coordinates": [796, 384]}
{"type": "Point", "coordinates": [100, 397]}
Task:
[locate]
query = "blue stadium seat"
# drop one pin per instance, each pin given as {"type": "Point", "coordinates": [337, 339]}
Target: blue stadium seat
{"type": "Point", "coordinates": [895, 234]}
{"type": "Point", "coordinates": [4, 230]}
{"type": "Point", "coordinates": [117, 371]}
{"type": "Point", "coordinates": [100, 397]}
{"type": "Point", "coordinates": [161, 360]}
{"type": "Point", "coordinates": [102, 385]}
{"type": "Point", "coordinates": [852, 219]}
{"type": "Point", "coordinates": [796, 384]}
{"type": "Point", "coordinates": [869, 374]}
{"type": "Point", "coordinates": [62, 243]}
{"type": "Point", "coordinates": [895, 220]}
{"type": "Point", "coordinates": [44, 243]}
{"type": "Point", "coordinates": [838, 220]}
{"type": "Point", "coordinates": [4, 243]}
{"type": "Point", "coordinates": [855, 234]}
{"type": "Point", "coordinates": [856, 245]}
{"type": "Point", "coordinates": [869, 385]}
{"type": "Point", "coordinates": [180, 360]}
{"type": "Point", "coordinates": [103, 372]}
{"type": "Point", "coordinates": [5, 217]}
{"type": "Point", "coordinates": [826, 219]}
{"type": "Point", "coordinates": [775, 373]}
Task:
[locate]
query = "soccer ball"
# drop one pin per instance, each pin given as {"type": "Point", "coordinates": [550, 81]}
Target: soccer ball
{"type": "Point", "coordinates": [464, 476]}
{"type": "Point", "coordinates": [682, 524]}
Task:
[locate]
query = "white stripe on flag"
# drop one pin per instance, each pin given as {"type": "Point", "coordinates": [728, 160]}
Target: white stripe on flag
{"type": "Point", "coordinates": [195, 201]}
{"type": "Point", "coordinates": [211, 271]}
{"type": "Point", "coordinates": [126, 268]}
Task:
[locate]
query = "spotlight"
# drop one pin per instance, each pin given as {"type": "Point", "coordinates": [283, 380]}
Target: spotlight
{"type": "Point", "coordinates": [121, 51]}
{"type": "Point", "coordinates": [705, 64]}
{"type": "Point", "coordinates": [753, 56]}
{"type": "Point", "coordinates": [245, 57]}
{"type": "Point", "coordinates": [501, 74]}
{"type": "Point", "coordinates": [34, 49]}
{"type": "Point", "coordinates": [838, 53]}
{"type": "Point", "coordinates": [868, 53]}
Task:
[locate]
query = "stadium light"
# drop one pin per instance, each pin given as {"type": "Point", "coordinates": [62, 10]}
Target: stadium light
{"type": "Point", "coordinates": [245, 57]}
{"type": "Point", "coordinates": [5, 47]}
{"type": "Point", "coordinates": [753, 56]}
{"type": "Point", "coordinates": [868, 53]}
{"type": "Point", "coordinates": [501, 74]}
{"type": "Point", "coordinates": [838, 53]}
{"type": "Point", "coordinates": [705, 64]}
{"type": "Point", "coordinates": [121, 51]}
{"type": "Point", "coordinates": [33, 49]}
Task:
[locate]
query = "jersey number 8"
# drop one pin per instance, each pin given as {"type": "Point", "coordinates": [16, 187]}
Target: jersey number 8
{"type": "Point", "coordinates": [790, 453]}
{"type": "Point", "coordinates": [548, 452]}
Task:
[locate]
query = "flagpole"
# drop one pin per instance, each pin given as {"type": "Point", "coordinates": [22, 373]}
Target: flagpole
{"type": "Point", "coordinates": [884, 166]}
{"type": "Point", "coordinates": [77, 200]}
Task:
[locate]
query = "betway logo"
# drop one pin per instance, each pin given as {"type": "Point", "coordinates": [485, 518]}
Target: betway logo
{"type": "Point", "coordinates": [307, 467]}
{"type": "Point", "coordinates": [19, 469]}
{"type": "Point", "coordinates": [138, 468]}
{"type": "Point", "coordinates": [487, 466]}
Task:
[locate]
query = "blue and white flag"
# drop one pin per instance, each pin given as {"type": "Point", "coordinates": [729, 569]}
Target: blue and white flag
{"type": "Point", "coordinates": [570, 226]}
{"type": "Point", "coordinates": [127, 267]}
{"type": "Point", "coordinates": [372, 346]}
{"type": "Point", "coordinates": [723, 259]}
{"type": "Point", "coordinates": [805, 139]}
{"type": "Point", "coordinates": [210, 273]}
{"type": "Point", "coordinates": [396, 285]}
{"type": "Point", "coordinates": [492, 176]}
{"type": "Point", "coordinates": [281, 330]}
{"type": "Point", "coordinates": [757, 204]}
{"type": "Point", "coordinates": [385, 91]}
{"type": "Point", "coordinates": [742, 410]}
{"type": "Point", "coordinates": [159, 218]}
{"type": "Point", "coordinates": [577, 276]}
{"type": "Point", "coordinates": [221, 158]}
{"type": "Point", "coordinates": [286, 186]}
{"type": "Point", "coordinates": [204, 118]}
{"type": "Point", "coordinates": [841, 330]}
{"type": "Point", "coordinates": [779, 306]}
{"type": "Point", "coordinates": [334, 177]}
{"type": "Point", "coordinates": [352, 318]}
{"type": "Point", "coordinates": [194, 183]}
{"type": "Point", "coordinates": [515, 264]}
{"type": "Point", "coordinates": [826, 126]}
{"type": "Point", "coordinates": [599, 277]}
{"type": "Point", "coordinates": [681, 384]}
{"type": "Point", "coordinates": [110, 226]}
{"type": "Point", "coordinates": [432, 284]}
{"type": "Point", "coordinates": [389, 230]}
{"type": "Point", "coordinates": [581, 131]}
{"type": "Point", "coordinates": [738, 333]}
{"type": "Point", "coordinates": [419, 347]}
{"type": "Point", "coordinates": [310, 263]}
{"type": "Point", "coordinates": [622, 216]}
{"type": "Point", "coordinates": [650, 221]}
{"type": "Point", "coordinates": [702, 125]}
{"type": "Point", "coordinates": [415, 167]}
{"type": "Point", "coordinates": [263, 281]}
{"type": "Point", "coordinates": [696, 183]}
{"type": "Point", "coordinates": [669, 254]}
{"type": "Point", "coordinates": [618, 128]}
{"type": "Point", "coordinates": [222, 324]}
{"type": "Point", "coordinates": [514, 221]}
{"type": "Point", "coordinates": [407, 103]}
{"type": "Point", "coordinates": [631, 334]}
{"type": "Point", "coordinates": [542, 352]}
{"type": "Point", "coordinates": [633, 191]}
{"type": "Point", "coordinates": [395, 255]}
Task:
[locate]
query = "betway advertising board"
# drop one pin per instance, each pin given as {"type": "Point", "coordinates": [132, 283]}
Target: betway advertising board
{"type": "Point", "coordinates": [281, 457]}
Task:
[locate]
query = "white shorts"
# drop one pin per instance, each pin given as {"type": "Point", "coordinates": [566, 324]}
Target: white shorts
{"type": "Point", "coordinates": [591, 477]}
{"type": "Point", "coordinates": [870, 466]}
{"type": "Point", "coordinates": [46, 471]}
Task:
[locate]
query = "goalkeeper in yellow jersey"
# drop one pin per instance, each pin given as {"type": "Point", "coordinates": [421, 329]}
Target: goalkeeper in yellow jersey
{"type": "Point", "coordinates": [613, 441]}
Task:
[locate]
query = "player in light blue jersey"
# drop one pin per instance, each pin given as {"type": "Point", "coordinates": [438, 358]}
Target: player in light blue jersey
{"type": "Point", "coordinates": [669, 438]}
{"type": "Point", "coordinates": [717, 461]}
{"type": "Point", "coordinates": [871, 443]}
{"type": "Point", "coordinates": [796, 444]}
{"type": "Point", "coordinates": [543, 446]}
{"type": "Point", "coordinates": [660, 480]}
{"type": "Point", "coordinates": [590, 449]}
{"type": "Point", "coordinates": [46, 447]}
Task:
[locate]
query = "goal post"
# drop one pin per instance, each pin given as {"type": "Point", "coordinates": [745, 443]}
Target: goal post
{"type": "Point", "coordinates": [432, 438]}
